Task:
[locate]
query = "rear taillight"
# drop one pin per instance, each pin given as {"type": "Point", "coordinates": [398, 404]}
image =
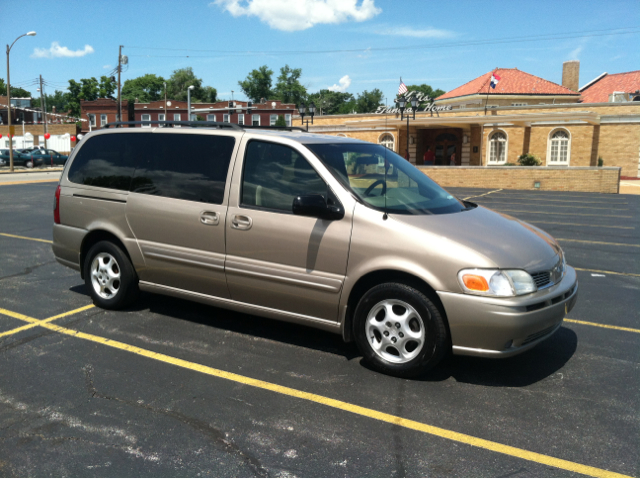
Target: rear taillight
{"type": "Point", "coordinates": [56, 207]}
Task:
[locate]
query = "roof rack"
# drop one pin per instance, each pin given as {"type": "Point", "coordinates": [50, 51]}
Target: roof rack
{"type": "Point", "coordinates": [205, 124]}
{"type": "Point", "coordinates": [285, 128]}
{"type": "Point", "coordinates": [165, 124]}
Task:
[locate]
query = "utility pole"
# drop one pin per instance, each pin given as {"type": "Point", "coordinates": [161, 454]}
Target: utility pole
{"type": "Point", "coordinates": [165, 102]}
{"type": "Point", "coordinates": [119, 97]}
{"type": "Point", "coordinates": [43, 105]}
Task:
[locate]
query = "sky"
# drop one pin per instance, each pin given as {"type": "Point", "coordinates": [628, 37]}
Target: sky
{"type": "Point", "coordinates": [344, 45]}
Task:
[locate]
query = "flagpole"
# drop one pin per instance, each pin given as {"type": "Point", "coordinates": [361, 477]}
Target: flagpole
{"type": "Point", "coordinates": [487, 99]}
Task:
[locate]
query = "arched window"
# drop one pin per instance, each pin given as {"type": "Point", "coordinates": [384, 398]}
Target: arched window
{"type": "Point", "coordinates": [498, 147]}
{"type": "Point", "coordinates": [559, 148]}
{"type": "Point", "coordinates": [387, 141]}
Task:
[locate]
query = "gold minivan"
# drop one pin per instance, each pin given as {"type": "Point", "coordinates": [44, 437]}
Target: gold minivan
{"type": "Point", "coordinates": [334, 233]}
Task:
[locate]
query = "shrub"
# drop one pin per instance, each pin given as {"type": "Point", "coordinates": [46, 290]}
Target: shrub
{"type": "Point", "coordinates": [281, 121]}
{"type": "Point", "coordinates": [509, 164]}
{"type": "Point", "coordinates": [529, 160]}
{"type": "Point", "coordinates": [600, 161]}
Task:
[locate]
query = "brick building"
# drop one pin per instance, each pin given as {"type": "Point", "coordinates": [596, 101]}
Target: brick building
{"type": "Point", "coordinates": [239, 112]}
{"type": "Point", "coordinates": [528, 115]}
{"type": "Point", "coordinates": [100, 112]}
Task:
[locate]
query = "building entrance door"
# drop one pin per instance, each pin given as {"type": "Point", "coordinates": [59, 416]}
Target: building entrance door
{"type": "Point", "coordinates": [446, 145]}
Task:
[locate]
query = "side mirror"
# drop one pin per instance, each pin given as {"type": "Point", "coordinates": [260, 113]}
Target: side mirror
{"type": "Point", "coordinates": [316, 207]}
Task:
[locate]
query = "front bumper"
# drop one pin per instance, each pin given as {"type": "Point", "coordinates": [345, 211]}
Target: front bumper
{"type": "Point", "coordinates": [502, 327]}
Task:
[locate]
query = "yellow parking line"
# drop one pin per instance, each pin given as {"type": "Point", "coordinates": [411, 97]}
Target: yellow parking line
{"type": "Point", "coordinates": [25, 238]}
{"type": "Point", "coordinates": [605, 272]}
{"type": "Point", "coordinates": [4, 183]}
{"type": "Point", "coordinates": [334, 403]}
{"type": "Point", "coordinates": [578, 224]}
{"type": "Point", "coordinates": [508, 203]}
{"type": "Point", "coordinates": [606, 326]}
{"type": "Point", "coordinates": [34, 322]}
{"type": "Point", "coordinates": [599, 242]}
{"type": "Point", "coordinates": [484, 194]}
{"type": "Point", "coordinates": [559, 214]}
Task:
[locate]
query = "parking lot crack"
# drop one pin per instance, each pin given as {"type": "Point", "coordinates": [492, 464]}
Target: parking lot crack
{"type": "Point", "coordinates": [27, 270]}
{"type": "Point", "coordinates": [219, 437]}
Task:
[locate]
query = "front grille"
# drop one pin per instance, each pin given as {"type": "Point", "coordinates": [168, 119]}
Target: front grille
{"type": "Point", "coordinates": [544, 279]}
{"type": "Point", "coordinates": [541, 279]}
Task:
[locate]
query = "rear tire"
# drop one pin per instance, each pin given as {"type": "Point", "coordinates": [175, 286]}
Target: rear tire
{"type": "Point", "coordinates": [400, 331]}
{"type": "Point", "coordinates": [109, 276]}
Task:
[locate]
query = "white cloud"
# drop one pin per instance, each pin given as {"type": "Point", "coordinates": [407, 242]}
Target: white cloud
{"type": "Point", "coordinates": [294, 15]}
{"type": "Point", "coordinates": [574, 53]}
{"type": "Point", "coordinates": [106, 67]}
{"type": "Point", "coordinates": [56, 51]}
{"type": "Point", "coordinates": [415, 32]}
{"type": "Point", "coordinates": [345, 81]}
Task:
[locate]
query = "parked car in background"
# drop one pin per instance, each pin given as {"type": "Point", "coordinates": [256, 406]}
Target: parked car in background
{"type": "Point", "coordinates": [49, 157]}
{"type": "Point", "coordinates": [20, 158]}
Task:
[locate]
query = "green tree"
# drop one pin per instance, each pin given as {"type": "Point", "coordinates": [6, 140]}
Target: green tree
{"type": "Point", "coordinates": [289, 89]}
{"type": "Point", "coordinates": [107, 87]}
{"type": "Point", "coordinates": [332, 102]}
{"type": "Point", "coordinates": [15, 92]}
{"type": "Point", "coordinates": [59, 100]}
{"type": "Point", "coordinates": [281, 121]}
{"type": "Point", "coordinates": [146, 88]}
{"type": "Point", "coordinates": [368, 102]}
{"type": "Point", "coordinates": [427, 90]}
{"type": "Point", "coordinates": [257, 85]}
{"type": "Point", "coordinates": [73, 98]}
{"type": "Point", "coordinates": [209, 95]}
{"type": "Point", "coordinates": [181, 80]}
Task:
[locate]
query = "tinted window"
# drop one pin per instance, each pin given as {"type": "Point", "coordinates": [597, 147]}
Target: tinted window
{"type": "Point", "coordinates": [186, 167]}
{"type": "Point", "coordinates": [275, 174]}
{"type": "Point", "coordinates": [108, 160]}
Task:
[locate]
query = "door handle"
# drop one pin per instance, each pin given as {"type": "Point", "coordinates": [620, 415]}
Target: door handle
{"type": "Point", "coordinates": [241, 222]}
{"type": "Point", "coordinates": [210, 218]}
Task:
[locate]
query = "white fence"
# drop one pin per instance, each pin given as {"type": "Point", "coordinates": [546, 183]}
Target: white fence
{"type": "Point", "coordinates": [59, 143]}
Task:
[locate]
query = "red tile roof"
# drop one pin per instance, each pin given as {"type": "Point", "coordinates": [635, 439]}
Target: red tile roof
{"type": "Point", "coordinates": [512, 82]}
{"type": "Point", "coordinates": [599, 91]}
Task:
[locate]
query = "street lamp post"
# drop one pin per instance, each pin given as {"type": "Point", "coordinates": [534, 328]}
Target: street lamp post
{"type": "Point", "coordinates": [312, 111]}
{"type": "Point", "coordinates": [402, 103]}
{"type": "Point", "coordinates": [30, 34]}
{"type": "Point", "coordinates": [189, 102]}
{"type": "Point", "coordinates": [165, 101]}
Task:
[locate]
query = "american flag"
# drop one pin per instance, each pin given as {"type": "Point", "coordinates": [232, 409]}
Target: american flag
{"type": "Point", "coordinates": [402, 89]}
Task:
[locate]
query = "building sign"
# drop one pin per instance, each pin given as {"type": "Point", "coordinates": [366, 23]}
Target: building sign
{"type": "Point", "coordinates": [422, 98]}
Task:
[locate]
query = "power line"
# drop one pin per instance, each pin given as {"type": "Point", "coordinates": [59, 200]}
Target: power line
{"type": "Point", "coordinates": [520, 39]}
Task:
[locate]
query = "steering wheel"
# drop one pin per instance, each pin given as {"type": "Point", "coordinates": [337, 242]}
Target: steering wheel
{"type": "Point", "coordinates": [373, 185]}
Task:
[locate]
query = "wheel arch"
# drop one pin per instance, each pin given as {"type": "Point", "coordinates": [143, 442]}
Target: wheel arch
{"type": "Point", "coordinates": [94, 237]}
{"type": "Point", "coordinates": [374, 278]}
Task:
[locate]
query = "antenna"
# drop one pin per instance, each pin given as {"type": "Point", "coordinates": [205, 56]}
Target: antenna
{"type": "Point", "coordinates": [385, 215]}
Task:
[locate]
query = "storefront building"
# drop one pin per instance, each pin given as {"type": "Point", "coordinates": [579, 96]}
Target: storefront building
{"type": "Point", "coordinates": [470, 127]}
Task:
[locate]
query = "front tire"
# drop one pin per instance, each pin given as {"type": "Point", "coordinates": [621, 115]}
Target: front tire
{"type": "Point", "coordinates": [28, 164]}
{"type": "Point", "coordinates": [399, 330]}
{"type": "Point", "coordinates": [109, 276]}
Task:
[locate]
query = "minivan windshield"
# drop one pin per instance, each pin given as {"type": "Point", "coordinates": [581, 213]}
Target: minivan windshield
{"type": "Point", "coordinates": [384, 180]}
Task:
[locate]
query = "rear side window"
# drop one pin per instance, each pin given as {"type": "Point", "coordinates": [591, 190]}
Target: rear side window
{"type": "Point", "coordinates": [108, 161]}
{"type": "Point", "coordinates": [186, 167]}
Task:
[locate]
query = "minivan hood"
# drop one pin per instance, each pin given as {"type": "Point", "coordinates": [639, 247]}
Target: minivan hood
{"type": "Point", "coordinates": [502, 239]}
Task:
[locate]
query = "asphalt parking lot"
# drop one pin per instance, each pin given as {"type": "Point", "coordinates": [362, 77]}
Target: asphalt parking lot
{"type": "Point", "coordinates": [173, 388]}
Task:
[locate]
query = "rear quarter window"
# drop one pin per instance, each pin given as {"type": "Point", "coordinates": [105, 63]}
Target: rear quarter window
{"type": "Point", "coordinates": [187, 167]}
{"type": "Point", "coordinates": [108, 161]}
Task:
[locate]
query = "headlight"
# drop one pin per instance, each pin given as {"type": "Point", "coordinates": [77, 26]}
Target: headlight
{"type": "Point", "coordinates": [495, 282]}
